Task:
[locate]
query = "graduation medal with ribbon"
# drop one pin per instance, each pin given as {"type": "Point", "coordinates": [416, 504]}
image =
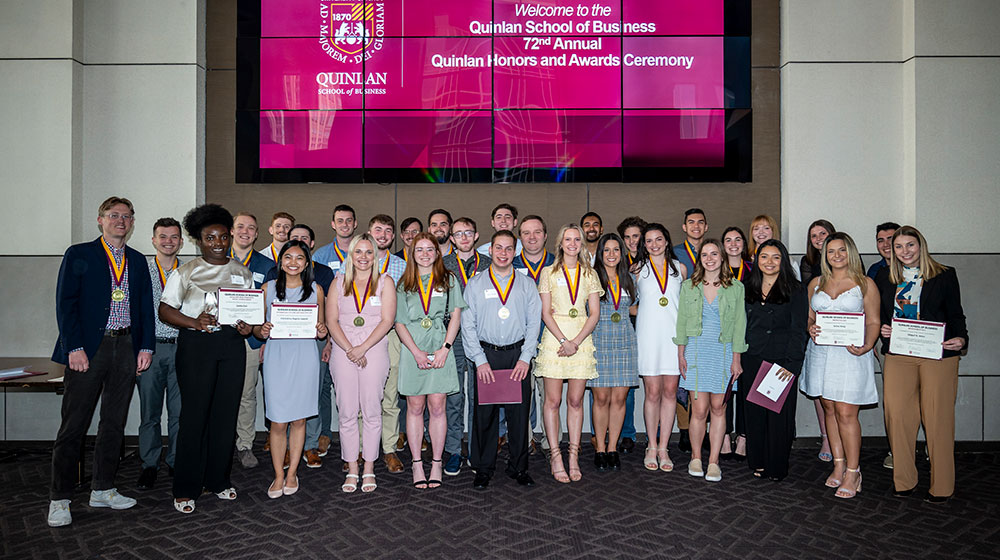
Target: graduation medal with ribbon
{"type": "Point", "coordinates": [359, 304]}
{"type": "Point", "coordinates": [616, 298]}
{"type": "Point", "coordinates": [118, 273]}
{"type": "Point", "coordinates": [425, 300]}
{"type": "Point", "coordinates": [534, 272]}
{"type": "Point", "coordinates": [738, 273]}
{"type": "Point", "coordinates": [690, 251]}
{"type": "Point", "coordinates": [661, 282]}
{"type": "Point", "coordinates": [274, 254]}
{"type": "Point", "coordinates": [503, 294]}
{"type": "Point", "coordinates": [337, 250]}
{"type": "Point", "coordinates": [246, 261]}
{"type": "Point", "coordinates": [461, 268]}
{"type": "Point", "coordinates": [574, 290]}
{"type": "Point", "coordinates": [163, 275]}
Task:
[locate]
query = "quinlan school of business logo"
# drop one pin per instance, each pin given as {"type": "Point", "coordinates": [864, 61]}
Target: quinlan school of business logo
{"type": "Point", "coordinates": [353, 28]}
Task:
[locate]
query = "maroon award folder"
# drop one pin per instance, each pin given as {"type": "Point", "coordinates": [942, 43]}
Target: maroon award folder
{"type": "Point", "coordinates": [503, 390]}
{"type": "Point", "coordinates": [758, 397]}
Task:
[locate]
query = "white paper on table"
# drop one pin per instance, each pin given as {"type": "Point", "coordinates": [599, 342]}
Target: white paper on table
{"type": "Point", "coordinates": [840, 329]}
{"type": "Point", "coordinates": [294, 320]}
{"type": "Point", "coordinates": [237, 304]}
{"type": "Point", "coordinates": [920, 339]}
{"type": "Point", "coordinates": [771, 386]}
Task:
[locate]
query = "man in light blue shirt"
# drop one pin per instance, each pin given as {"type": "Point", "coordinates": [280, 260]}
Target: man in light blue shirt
{"type": "Point", "coordinates": [499, 331]}
{"type": "Point", "coordinates": [344, 223]}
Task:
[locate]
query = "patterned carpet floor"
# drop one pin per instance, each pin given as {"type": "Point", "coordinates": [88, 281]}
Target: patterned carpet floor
{"type": "Point", "coordinates": [629, 514]}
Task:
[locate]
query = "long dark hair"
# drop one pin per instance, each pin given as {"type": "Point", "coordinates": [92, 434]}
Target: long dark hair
{"type": "Point", "coordinates": [783, 287]}
{"type": "Point", "coordinates": [812, 254]}
{"type": "Point", "coordinates": [306, 275]}
{"type": "Point", "coordinates": [624, 277]}
{"type": "Point", "coordinates": [642, 255]}
{"type": "Point", "coordinates": [745, 255]}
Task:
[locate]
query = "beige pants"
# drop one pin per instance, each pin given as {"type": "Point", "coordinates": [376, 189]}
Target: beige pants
{"type": "Point", "coordinates": [390, 399]}
{"type": "Point", "coordinates": [246, 421]}
{"type": "Point", "coordinates": [915, 390]}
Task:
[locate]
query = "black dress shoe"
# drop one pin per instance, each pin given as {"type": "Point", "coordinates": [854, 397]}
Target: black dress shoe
{"type": "Point", "coordinates": [614, 461]}
{"type": "Point", "coordinates": [601, 461]}
{"type": "Point", "coordinates": [684, 442]}
{"type": "Point", "coordinates": [903, 493]}
{"type": "Point", "coordinates": [147, 478]}
{"type": "Point", "coordinates": [523, 478]}
{"type": "Point", "coordinates": [481, 481]}
{"type": "Point", "coordinates": [931, 499]}
{"type": "Point", "coordinates": [627, 445]}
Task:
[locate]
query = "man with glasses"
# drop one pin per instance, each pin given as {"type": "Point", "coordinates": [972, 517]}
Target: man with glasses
{"type": "Point", "coordinates": [408, 229]}
{"type": "Point", "coordinates": [104, 311]}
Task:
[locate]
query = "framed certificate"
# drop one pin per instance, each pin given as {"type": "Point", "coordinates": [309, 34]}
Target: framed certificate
{"type": "Point", "coordinates": [840, 329]}
{"type": "Point", "coordinates": [237, 304]}
{"type": "Point", "coordinates": [921, 339]}
{"type": "Point", "coordinates": [294, 320]}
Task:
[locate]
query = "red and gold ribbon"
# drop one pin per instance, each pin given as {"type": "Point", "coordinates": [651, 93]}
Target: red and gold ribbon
{"type": "Point", "coordinates": [572, 285]}
{"type": "Point", "coordinates": [274, 254]}
{"type": "Point", "coordinates": [163, 275]}
{"type": "Point", "coordinates": [359, 304]}
{"type": "Point", "coordinates": [738, 273]}
{"type": "Point", "coordinates": [504, 293]}
{"type": "Point", "coordinates": [337, 250]}
{"type": "Point", "coordinates": [425, 293]}
{"type": "Point", "coordinates": [534, 272]}
{"type": "Point", "coordinates": [117, 271]}
{"type": "Point", "coordinates": [661, 281]}
{"type": "Point", "coordinates": [244, 261]}
{"type": "Point", "coordinates": [690, 251]}
{"type": "Point", "coordinates": [385, 263]}
{"type": "Point", "coordinates": [465, 275]}
{"type": "Point", "coordinates": [616, 291]}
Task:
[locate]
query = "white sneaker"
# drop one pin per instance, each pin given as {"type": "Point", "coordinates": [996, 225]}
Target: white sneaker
{"type": "Point", "coordinates": [887, 463]}
{"type": "Point", "coordinates": [59, 515]}
{"type": "Point", "coordinates": [110, 498]}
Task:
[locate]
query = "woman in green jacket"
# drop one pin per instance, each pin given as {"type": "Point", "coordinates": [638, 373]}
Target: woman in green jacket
{"type": "Point", "coordinates": [711, 335]}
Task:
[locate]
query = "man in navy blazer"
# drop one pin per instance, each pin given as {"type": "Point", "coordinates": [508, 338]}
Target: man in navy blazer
{"type": "Point", "coordinates": [104, 309]}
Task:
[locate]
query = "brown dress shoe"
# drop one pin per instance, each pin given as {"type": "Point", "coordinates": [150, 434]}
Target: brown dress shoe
{"type": "Point", "coordinates": [288, 459]}
{"type": "Point", "coordinates": [323, 446]}
{"type": "Point", "coordinates": [502, 440]}
{"type": "Point", "coordinates": [312, 459]}
{"type": "Point", "coordinates": [267, 441]}
{"type": "Point", "coordinates": [593, 441]}
{"type": "Point", "coordinates": [401, 442]}
{"type": "Point", "coordinates": [393, 463]}
{"type": "Point", "coordinates": [423, 444]}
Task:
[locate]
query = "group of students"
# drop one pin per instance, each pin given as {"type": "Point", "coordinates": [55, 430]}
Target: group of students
{"type": "Point", "coordinates": [693, 321]}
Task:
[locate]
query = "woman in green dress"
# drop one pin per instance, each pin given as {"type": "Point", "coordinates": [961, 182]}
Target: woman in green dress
{"type": "Point", "coordinates": [428, 309]}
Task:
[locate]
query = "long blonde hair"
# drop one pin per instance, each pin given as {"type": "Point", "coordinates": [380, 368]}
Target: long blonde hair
{"type": "Point", "coordinates": [762, 219]}
{"type": "Point", "coordinates": [583, 259]}
{"type": "Point", "coordinates": [349, 263]}
{"type": "Point", "coordinates": [929, 268]}
{"type": "Point", "coordinates": [855, 270]}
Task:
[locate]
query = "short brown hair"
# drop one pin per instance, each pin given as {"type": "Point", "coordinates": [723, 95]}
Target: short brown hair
{"type": "Point", "coordinates": [248, 215]}
{"type": "Point", "coordinates": [113, 201]}
{"type": "Point", "coordinates": [284, 215]}
{"type": "Point", "coordinates": [166, 223]}
{"type": "Point", "coordinates": [383, 219]}
{"type": "Point", "coordinates": [467, 221]}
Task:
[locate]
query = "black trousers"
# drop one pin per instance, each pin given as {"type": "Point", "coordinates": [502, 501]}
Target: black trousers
{"type": "Point", "coordinates": [769, 434]}
{"type": "Point", "coordinates": [210, 372]}
{"type": "Point", "coordinates": [110, 378]}
{"type": "Point", "coordinates": [486, 421]}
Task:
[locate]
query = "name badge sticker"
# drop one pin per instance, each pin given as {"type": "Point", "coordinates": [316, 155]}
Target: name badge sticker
{"type": "Point", "coordinates": [335, 265]}
{"type": "Point", "coordinates": [523, 271]}
{"type": "Point", "coordinates": [491, 293]}
{"type": "Point", "coordinates": [258, 278]}
{"type": "Point", "coordinates": [561, 282]}
{"type": "Point", "coordinates": [375, 300]}
{"type": "Point", "coordinates": [437, 293]}
{"type": "Point", "coordinates": [236, 279]}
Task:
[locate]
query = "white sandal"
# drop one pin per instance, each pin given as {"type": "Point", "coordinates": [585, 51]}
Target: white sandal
{"type": "Point", "coordinates": [227, 494]}
{"type": "Point", "coordinates": [349, 487]}
{"type": "Point", "coordinates": [369, 486]}
{"type": "Point", "coordinates": [184, 506]}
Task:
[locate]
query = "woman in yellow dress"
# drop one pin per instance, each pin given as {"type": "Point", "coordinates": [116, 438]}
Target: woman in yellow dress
{"type": "Point", "coordinates": [569, 288]}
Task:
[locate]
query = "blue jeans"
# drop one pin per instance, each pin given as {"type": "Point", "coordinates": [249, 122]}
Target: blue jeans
{"type": "Point", "coordinates": [628, 427]}
{"type": "Point", "coordinates": [455, 405]}
{"type": "Point", "coordinates": [159, 378]}
{"type": "Point", "coordinates": [320, 425]}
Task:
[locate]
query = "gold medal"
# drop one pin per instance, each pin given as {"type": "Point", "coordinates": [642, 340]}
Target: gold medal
{"type": "Point", "coordinates": [574, 313]}
{"type": "Point", "coordinates": [359, 321]}
{"type": "Point", "coordinates": [117, 295]}
{"type": "Point", "coordinates": [663, 302]}
{"type": "Point", "coordinates": [503, 313]}
{"type": "Point", "coordinates": [616, 317]}
{"type": "Point", "coordinates": [426, 322]}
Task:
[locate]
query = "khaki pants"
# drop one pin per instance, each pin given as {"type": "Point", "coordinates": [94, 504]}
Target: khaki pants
{"type": "Point", "coordinates": [246, 421]}
{"type": "Point", "coordinates": [915, 390]}
{"type": "Point", "coordinates": [390, 398]}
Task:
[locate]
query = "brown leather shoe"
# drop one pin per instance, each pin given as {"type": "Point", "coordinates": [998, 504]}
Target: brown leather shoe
{"type": "Point", "coordinates": [288, 459]}
{"type": "Point", "coordinates": [423, 444]}
{"type": "Point", "coordinates": [534, 448]}
{"type": "Point", "coordinates": [323, 446]}
{"type": "Point", "coordinates": [401, 442]}
{"type": "Point", "coordinates": [593, 441]}
{"type": "Point", "coordinates": [393, 463]}
{"type": "Point", "coordinates": [311, 457]}
{"type": "Point", "coordinates": [502, 440]}
{"type": "Point", "coordinates": [267, 441]}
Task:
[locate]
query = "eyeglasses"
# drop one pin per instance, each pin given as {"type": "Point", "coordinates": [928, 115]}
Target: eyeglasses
{"type": "Point", "coordinates": [115, 216]}
{"type": "Point", "coordinates": [461, 234]}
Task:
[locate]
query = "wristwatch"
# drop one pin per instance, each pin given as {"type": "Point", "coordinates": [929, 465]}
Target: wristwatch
{"type": "Point", "coordinates": [447, 345]}
{"type": "Point", "coordinates": [563, 339]}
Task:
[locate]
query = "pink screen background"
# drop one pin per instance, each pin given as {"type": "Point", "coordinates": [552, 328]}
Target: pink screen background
{"type": "Point", "coordinates": [425, 105]}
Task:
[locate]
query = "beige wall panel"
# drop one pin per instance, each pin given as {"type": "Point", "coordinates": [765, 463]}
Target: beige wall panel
{"type": "Point", "coordinates": [28, 292]}
{"type": "Point", "coordinates": [765, 42]}
{"type": "Point", "coordinates": [220, 39]}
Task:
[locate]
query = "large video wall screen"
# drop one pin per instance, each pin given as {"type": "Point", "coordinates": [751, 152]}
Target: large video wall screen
{"type": "Point", "coordinates": [493, 90]}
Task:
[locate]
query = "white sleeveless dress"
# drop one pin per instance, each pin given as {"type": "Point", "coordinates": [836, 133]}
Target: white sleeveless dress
{"type": "Point", "coordinates": [656, 326]}
{"type": "Point", "coordinates": [832, 372]}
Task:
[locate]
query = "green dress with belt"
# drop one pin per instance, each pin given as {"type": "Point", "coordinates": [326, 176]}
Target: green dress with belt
{"type": "Point", "coordinates": [409, 312]}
